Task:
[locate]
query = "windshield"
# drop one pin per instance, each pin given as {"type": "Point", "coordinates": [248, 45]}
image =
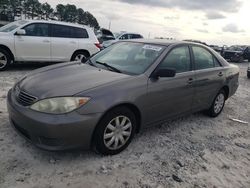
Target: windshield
{"type": "Point", "coordinates": [128, 57]}
{"type": "Point", "coordinates": [12, 26]}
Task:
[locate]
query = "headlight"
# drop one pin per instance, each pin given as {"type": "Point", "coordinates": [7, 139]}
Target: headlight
{"type": "Point", "coordinates": [59, 105]}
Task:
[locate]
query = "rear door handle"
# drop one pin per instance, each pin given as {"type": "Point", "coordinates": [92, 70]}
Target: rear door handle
{"type": "Point", "coordinates": [72, 42]}
{"type": "Point", "coordinates": [220, 74]}
{"type": "Point", "coordinates": [190, 81]}
{"type": "Point", "coordinates": [46, 41]}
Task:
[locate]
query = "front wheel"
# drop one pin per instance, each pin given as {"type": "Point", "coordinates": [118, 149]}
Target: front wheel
{"type": "Point", "coordinates": [4, 59]}
{"type": "Point", "coordinates": [79, 56]}
{"type": "Point", "coordinates": [218, 104]}
{"type": "Point", "coordinates": [115, 131]}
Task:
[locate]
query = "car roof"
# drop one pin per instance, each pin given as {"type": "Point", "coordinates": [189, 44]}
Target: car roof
{"type": "Point", "coordinates": [163, 42]}
{"type": "Point", "coordinates": [58, 22]}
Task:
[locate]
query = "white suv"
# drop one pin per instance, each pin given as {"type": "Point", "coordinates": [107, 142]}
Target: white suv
{"type": "Point", "coordinates": [45, 41]}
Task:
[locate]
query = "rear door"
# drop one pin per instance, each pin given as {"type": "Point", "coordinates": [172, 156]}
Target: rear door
{"type": "Point", "coordinates": [63, 42]}
{"type": "Point", "coordinates": [168, 97]}
{"type": "Point", "coordinates": [209, 77]}
{"type": "Point", "coordinates": [35, 44]}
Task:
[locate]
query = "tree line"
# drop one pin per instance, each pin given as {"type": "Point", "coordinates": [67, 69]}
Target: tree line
{"type": "Point", "coordinates": [33, 9]}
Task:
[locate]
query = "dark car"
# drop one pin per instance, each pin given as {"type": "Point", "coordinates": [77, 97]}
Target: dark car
{"type": "Point", "coordinates": [104, 35]}
{"type": "Point", "coordinates": [236, 53]}
{"type": "Point", "coordinates": [119, 91]}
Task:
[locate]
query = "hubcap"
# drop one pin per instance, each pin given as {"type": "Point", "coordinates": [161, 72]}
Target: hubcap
{"type": "Point", "coordinates": [3, 60]}
{"type": "Point", "coordinates": [117, 132]}
{"type": "Point", "coordinates": [219, 102]}
{"type": "Point", "coordinates": [80, 57]}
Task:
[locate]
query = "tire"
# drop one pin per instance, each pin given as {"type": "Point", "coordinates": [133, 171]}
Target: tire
{"type": "Point", "coordinates": [249, 60]}
{"type": "Point", "coordinates": [113, 143]}
{"type": "Point", "coordinates": [248, 75]}
{"type": "Point", "coordinates": [218, 104]}
{"type": "Point", "coordinates": [79, 56]}
{"type": "Point", "coordinates": [5, 59]}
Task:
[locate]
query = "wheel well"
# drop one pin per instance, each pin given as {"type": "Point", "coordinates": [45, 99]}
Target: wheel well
{"type": "Point", "coordinates": [8, 50]}
{"type": "Point", "coordinates": [133, 108]}
{"type": "Point", "coordinates": [85, 51]}
{"type": "Point", "coordinates": [226, 89]}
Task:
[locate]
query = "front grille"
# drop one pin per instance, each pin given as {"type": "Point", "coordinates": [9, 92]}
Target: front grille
{"type": "Point", "coordinates": [24, 98]}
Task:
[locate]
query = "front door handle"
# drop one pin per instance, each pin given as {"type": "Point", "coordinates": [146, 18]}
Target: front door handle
{"type": "Point", "coordinates": [46, 41]}
{"type": "Point", "coordinates": [220, 74]}
{"type": "Point", "coordinates": [190, 81]}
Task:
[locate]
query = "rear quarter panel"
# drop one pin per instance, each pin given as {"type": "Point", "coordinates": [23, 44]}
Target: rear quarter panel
{"type": "Point", "coordinates": [232, 78]}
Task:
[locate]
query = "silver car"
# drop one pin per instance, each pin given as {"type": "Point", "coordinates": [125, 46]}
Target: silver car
{"type": "Point", "coordinates": [128, 86]}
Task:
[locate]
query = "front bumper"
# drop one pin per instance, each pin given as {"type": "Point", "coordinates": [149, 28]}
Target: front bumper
{"type": "Point", "coordinates": [52, 132]}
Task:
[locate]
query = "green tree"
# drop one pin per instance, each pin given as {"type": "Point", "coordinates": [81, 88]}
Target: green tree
{"type": "Point", "coordinates": [47, 11]}
{"type": "Point", "coordinates": [60, 11]}
{"type": "Point", "coordinates": [32, 8]}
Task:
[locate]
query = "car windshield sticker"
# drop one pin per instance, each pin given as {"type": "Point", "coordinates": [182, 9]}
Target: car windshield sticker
{"type": "Point", "coordinates": [150, 47]}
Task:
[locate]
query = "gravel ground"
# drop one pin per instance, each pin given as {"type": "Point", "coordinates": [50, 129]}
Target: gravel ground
{"type": "Point", "coordinates": [193, 151]}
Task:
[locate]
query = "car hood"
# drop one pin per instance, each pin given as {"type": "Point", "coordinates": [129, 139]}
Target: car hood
{"type": "Point", "coordinates": [67, 79]}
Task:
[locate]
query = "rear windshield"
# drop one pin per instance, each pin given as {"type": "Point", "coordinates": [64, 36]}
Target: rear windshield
{"type": "Point", "coordinates": [12, 26]}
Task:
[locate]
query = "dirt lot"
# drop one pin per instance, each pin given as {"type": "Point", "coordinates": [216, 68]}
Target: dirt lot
{"type": "Point", "coordinates": [194, 151]}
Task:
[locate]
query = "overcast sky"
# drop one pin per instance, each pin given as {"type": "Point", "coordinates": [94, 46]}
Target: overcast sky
{"type": "Point", "coordinates": [212, 21]}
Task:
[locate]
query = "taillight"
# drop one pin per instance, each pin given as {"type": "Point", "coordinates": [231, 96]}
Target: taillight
{"type": "Point", "coordinates": [98, 45]}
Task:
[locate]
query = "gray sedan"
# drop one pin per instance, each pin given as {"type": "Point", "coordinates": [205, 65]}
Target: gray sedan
{"type": "Point", "coordinates": [103, 102]}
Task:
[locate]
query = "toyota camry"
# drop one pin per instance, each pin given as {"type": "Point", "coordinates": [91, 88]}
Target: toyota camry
{"type": "Point", "coordinates": [103, 102]}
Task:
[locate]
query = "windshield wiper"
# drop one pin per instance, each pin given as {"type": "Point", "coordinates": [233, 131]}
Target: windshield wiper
{"type": "Point", "coordinates": [109, 66]}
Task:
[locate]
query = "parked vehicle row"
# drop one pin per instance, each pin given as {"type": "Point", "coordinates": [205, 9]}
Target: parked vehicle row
{"type": "Point", "coordinates": [121, 36]}
{"type": "Point", "coordinates": [236, 53]}
{"type": "Point", "coordinates": [45, 41]}
{"type": "Point", "coordinates": [119, 91]}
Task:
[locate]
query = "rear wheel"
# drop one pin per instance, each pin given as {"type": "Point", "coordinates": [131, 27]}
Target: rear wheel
{"type": "Point", "coordinates": [4, 59]}
{"type": "Point", "coordinates": [218, 104]}
{"type": "Point", "coordinates": [115, 131]}
{"type": "Point", "coordinates": [80, 56]}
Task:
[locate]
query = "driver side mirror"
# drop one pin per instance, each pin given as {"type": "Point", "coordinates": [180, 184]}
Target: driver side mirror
{"type": "Point", "coordinates": [21, 32]}
{"type": "Point", "coordinates": [163, 73]}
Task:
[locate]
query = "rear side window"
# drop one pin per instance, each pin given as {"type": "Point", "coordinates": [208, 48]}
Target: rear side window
{"type": "Point", "coordinates": [79, 33]}
{"type": "Point", "coordinates": [37, 30]}
{"type": "Point", "coordinates": [135, 36]}
{"type": "Point", "coordinates": [204, 59]}
{"type": "Point", "coordinates": [178, 59]}
{"type": "Point", "coordinates": [68, 32]}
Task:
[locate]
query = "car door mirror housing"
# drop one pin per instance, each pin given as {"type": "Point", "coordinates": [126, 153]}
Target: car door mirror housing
{"type": "Point", "coordinates": [21, 32]}
{"type": "Point", "coordinates": [164, 73]}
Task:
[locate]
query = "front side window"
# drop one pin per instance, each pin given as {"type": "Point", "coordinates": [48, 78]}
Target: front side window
{"type": "Point", "coordinates": [37, 29]}
{"type": "Point", "coordinates": [178, 59]}
{"type": "Point", "coordinates": [124, 37]}
{"type": "Point", "coordinates": [129, 57]}
{"type": "Point", "coordinates": [203, 59]}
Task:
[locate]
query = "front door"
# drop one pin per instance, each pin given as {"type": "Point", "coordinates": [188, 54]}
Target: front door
{"type": "Point", "coordinates": [168, 97]}
{"type": "Point", "coordinates": [35, 44]}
